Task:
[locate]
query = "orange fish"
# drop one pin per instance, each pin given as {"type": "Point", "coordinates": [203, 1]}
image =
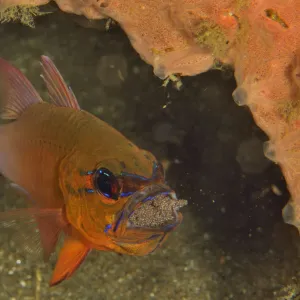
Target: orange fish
{"type": "Point", "coordinates": [81, 176]}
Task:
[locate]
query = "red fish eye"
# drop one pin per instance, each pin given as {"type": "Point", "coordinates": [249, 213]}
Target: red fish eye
{"type": "Point", "coordinates": [106, 183]}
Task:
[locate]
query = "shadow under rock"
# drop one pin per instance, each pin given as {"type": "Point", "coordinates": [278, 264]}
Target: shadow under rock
{"type": "Point", "coordinates": [230, 192]}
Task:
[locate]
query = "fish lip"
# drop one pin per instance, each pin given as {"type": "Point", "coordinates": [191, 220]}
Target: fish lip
{"type": "Point", "coordinates": [142, 196]}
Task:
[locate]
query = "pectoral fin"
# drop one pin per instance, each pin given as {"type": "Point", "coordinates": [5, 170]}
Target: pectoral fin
{"type": "Point", "coordinates": [70, 257]}
{"type": "Point", "coordinates": [50, 230]}
{"type": "Point", "coordinates": [34, 230]}
{"type": "Point", "coordinates": [50, 222]}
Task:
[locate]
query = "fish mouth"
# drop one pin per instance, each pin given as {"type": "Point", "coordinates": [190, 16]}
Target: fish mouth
{"type": "Point", "coordinates": [155, 207]}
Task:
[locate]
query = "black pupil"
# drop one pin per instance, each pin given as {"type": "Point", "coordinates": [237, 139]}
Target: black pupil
{"type": "Point", "coordinates": [107, 184]}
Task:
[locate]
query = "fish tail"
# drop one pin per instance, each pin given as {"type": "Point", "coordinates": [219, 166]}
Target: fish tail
{"type": "Point", "coordinates": [16, 92]}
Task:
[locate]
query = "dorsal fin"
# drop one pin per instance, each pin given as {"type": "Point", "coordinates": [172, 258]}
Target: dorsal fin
{"type": "Point", "coordinates": [17, 92]}
{"type": "Point", "coordinates": [59, 92]}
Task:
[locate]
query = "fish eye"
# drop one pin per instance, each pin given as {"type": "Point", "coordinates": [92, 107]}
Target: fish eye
{"type": "Point", "coordinates": [106, 183]}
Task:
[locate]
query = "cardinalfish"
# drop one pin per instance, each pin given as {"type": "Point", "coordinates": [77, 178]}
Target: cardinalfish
{"type": "Point", "coordinates": [83, 179]}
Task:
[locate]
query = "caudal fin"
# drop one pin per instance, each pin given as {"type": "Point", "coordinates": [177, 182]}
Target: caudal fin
{"type": "Point", "coordinates": [16, 92]}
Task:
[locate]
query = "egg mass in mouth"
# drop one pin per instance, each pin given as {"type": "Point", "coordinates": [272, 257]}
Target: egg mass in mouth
{"type": "Point", "coordinates": [160, 211]}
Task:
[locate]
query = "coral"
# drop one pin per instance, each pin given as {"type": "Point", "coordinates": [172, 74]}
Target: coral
{"type": "Point", "coordinates": [22, 13]}
{"type": "Point", "coordinates": [259, 38]}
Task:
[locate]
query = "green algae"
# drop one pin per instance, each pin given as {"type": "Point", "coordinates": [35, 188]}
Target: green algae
{"type": "Point", "coordinates": [211, 35]}
{"type": "Point", "coordinates": [24, 14]}
{"type": "Point", "coordinates": [289, 110]}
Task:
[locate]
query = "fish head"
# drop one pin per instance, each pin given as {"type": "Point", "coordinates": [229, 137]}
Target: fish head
{"type": "Point", "coordinates": [123, 205]}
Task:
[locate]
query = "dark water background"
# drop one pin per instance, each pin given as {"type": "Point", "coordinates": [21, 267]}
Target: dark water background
{"type": "Point", "coordinates": [232, 244]}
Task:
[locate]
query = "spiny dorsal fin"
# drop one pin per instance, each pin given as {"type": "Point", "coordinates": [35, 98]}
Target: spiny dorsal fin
{"type": "Point", "coordinates": [17, 92]}
{"type": "Point", "coordinates": [58, 90]}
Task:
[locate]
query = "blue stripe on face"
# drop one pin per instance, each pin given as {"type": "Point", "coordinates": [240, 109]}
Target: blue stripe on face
{"type": "Point", "coordinates": [107, 227]}
{"type": "Point", "coordinates": [158, 244]}
{"type": "Point", "coordinates": [169, 227]}
{"type": "Point", "coordinates": [125, 174]}
{"type": "Point", "coordinates": [134, 175]}
{"type": "Point", "coordinates": [126, 194]}
{"type": "Point", "coordinates": [118, 222]}
{"type": "Point", "coordinates": [155, 166]}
